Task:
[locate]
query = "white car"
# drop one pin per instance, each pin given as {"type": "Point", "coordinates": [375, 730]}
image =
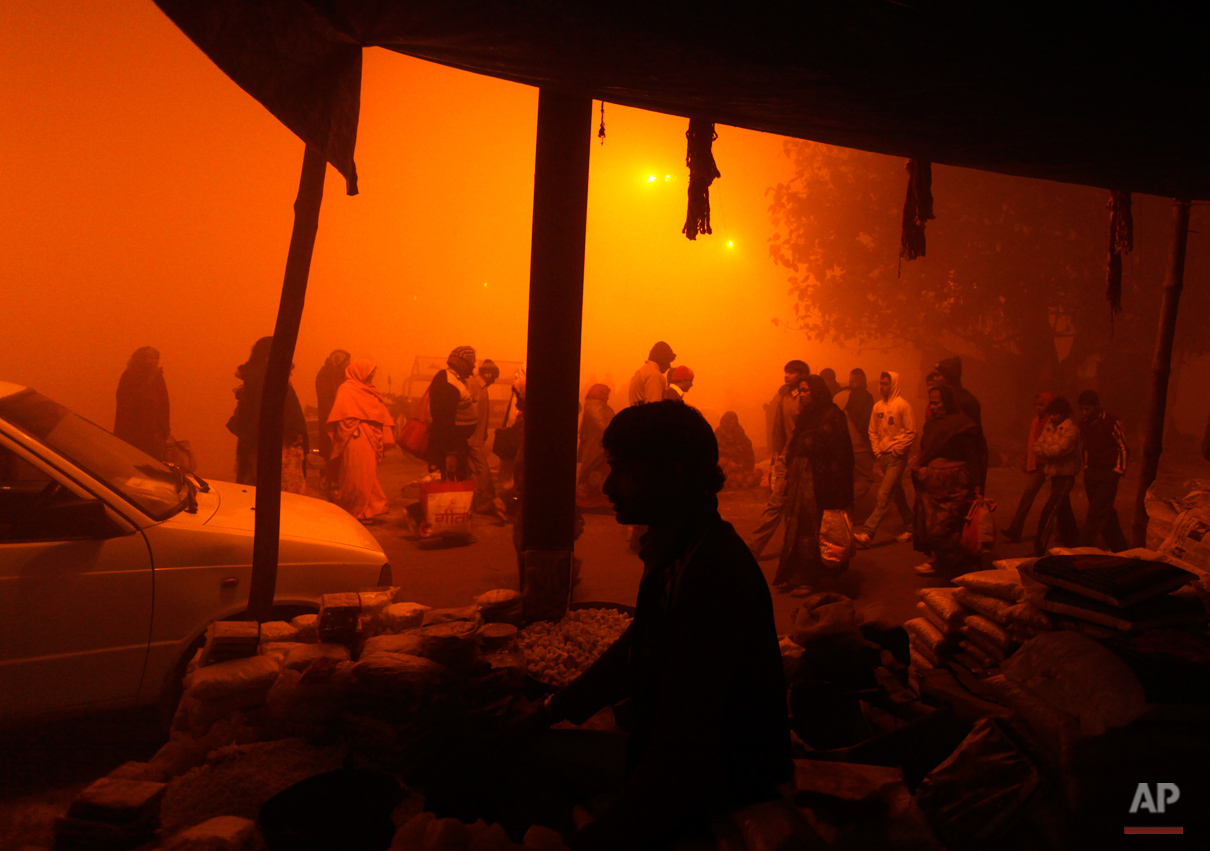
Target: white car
{"type": "Point", "coordinates": [112, 564]}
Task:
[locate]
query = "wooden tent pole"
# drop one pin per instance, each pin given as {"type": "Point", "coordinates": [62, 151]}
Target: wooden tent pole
{"type": "Point", "coordinates": [277, 376]}
{"type": "Point", "coordinates": [552, 384]}
{"type": "Point", "coordinates": [1161, 366]}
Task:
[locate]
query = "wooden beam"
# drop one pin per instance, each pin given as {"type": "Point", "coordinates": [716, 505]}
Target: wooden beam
{"type": "Point", "coordinates": [1161, 365]}
{"type": "Point", "coordinates": [552, 387]}
{"type": "Point", "coordinates": [277, 376]}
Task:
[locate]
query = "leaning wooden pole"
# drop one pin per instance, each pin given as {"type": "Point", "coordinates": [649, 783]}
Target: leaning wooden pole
{"type": "Point", "coordinates": [277, 377]}
{"type": "Point", "coordinates": [1161, 366]}
{"type": "Point", "coordinates": [556, 299]}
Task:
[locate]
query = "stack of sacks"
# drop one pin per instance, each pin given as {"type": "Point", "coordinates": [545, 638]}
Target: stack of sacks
{"type": "Point", "coordinates": [936, 635]}
{"type": "Point", "coordinates": [307, 626]}
{"type": "Point", "coordinates": [112, 813]}
{"type": "Point", "coordinates": [372, 605]}
{"type": "Point", "coordinates": [227, 640]}
{"type": "Point", "coordinates": [278, 631]}
{"type": "Point", "coordinates": [998, 597]}
{"type": "Point", "coordinates": [1101, 594]}
{"type": "Point", "coordinates": [220, 690]}
{"type": "Point", "coordinates": [397, 617]}
{"type": "Point", "coordinates": [426, 832]}
{"type": "Point", "coordinates": [500, 606]}
{"type": "Point", "coordinates": [339, 619]}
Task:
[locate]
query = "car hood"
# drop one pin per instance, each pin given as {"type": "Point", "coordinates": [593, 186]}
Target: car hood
{"type": "Point", "coordinates": [301, 517]}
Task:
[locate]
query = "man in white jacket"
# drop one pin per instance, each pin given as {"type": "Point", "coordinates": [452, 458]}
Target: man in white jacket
{"type": "Point", "coordinates": [892, 433]}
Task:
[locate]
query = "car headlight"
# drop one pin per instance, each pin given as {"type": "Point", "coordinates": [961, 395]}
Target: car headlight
{"type": "Point", "coordinates": [384, 575]}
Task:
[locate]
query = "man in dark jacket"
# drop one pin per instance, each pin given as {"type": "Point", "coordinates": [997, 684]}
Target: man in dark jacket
{"type": "Point", "coordinates": [785, 413]}
{"type": "Point", "coordinates": [454, 415]}
{"type": "Point", "coordinates": [699, 668]}
{"type": "Point", "coordinates": [951, 372]}
{"type": "Point", "coordinates": [1104, 442]}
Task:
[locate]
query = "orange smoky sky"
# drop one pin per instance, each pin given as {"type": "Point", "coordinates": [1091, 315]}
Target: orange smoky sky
{"type": "Point", "coordinates": [147, 200]}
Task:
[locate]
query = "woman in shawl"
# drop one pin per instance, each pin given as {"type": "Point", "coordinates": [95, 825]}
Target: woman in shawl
{"type": "Point", "coordinates": [946, 474]}
{"type": "Point", "coordinates": [245, 424]}
{"type": "Point", "coordinates": [735, 454]}
{"type": "Point", "coordinates": [331, 375]}
{"type": "Point", "coordinates": [360, 428]}
{"type": "Point", "coordinates": [594, 468]}
{"type": "Point", "coordinates": [819, 478]}
{"type": "Point", "coordinates": [142, 415]}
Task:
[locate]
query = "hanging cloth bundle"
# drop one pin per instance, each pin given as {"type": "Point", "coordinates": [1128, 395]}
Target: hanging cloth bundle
{"type": "Point", "coordinates": [601, 129]}
{"type": "Point", "coordinates": [1121, 241]}
{"type": "Point", "coordinates": [702, 172]}
{"type": "Point", "coordinates": [917, 208]}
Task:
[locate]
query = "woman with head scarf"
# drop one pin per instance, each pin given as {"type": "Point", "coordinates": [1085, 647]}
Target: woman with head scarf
{"type": "Point", "coordinates": [142, 413]}
{"type": "Point", "coordinates": [594, 468]}
{"type": "Point", "coordinates": [328, 380]}
{"type": "Point", "coordinates": [819, 478]}
{"type": "Point", "coordinates": [946, 474]}
{"type": "Point", "coordinates": [735, 454]}
{"type": "Point", "coordinates": [245, 424]}
{"type": "Point", "coordinates": [360, 428]}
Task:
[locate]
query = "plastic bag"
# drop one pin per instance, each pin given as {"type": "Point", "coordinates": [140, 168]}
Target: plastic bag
{"type": "Point", "coordinates": [980, 789]}
{"type": "Point", "coordinates": [447, 508]}
{"type": "Point", "coordinates": [979, 533]}
{"type": "Point", "coordinates": [836, 544]}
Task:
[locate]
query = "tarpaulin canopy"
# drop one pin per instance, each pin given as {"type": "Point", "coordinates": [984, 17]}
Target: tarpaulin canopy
{"type": "Point", "coordinates": [1109, 95]}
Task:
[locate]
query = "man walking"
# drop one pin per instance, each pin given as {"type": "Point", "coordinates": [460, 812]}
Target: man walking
{"type": "Point", "coordinates": [784, 416]}
{"type": "Point", "coordinates": [1105, 455]}
{"type": "Point", "coordinates": [858, 409]}
{"type": "Point", "coordinates": [892, 433]}
{"type": "Point", "coordinates": [649, 383]}
{"type": "Point", "coordinates": [1035, 471]}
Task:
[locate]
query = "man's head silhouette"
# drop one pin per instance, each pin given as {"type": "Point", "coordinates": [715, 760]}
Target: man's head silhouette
{"type": "Point", "coordinates": [664, 461]}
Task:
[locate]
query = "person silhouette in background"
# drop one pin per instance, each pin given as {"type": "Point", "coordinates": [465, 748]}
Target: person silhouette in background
{"type": "Point", "coordinates": [245, 424]}
{"type": "Point", "coordinates": [327, 381]}
{"type": "Point", "coordinates": [680, 382]}
{"type": "Point", "coordinates": [455, 416]}
{"type": "Point", "coordinates": [142, 417]}
{"type": "Point", "coordinates": [649, 382]}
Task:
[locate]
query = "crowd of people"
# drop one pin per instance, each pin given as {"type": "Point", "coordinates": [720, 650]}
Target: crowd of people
{"type": "Point", "coordinates": [826, 452]}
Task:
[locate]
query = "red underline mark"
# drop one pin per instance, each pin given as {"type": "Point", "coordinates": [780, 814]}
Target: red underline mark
{"type": "Point", "coordinates": [1153, 830]}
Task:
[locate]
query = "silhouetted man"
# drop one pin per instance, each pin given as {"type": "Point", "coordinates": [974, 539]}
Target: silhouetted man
{"type": "Point", "coordinates": [1105, 455]}
{"type": "Point", "coordinates": [785, 414]}
{"type": "Point", "coordinates": [699, 668]}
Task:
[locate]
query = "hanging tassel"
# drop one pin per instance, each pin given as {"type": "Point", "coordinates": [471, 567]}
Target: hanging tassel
{"type": "Point", "coordinates": [702, 171]}
{"type": "Point", "coordinates": [917, 209]}
{"type": "Point", "coordinates": [1121, 241]}
{"type": "Point", "coordinates": [601, 129]}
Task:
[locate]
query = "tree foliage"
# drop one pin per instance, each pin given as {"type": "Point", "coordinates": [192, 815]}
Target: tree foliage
{"type": "Point", "coordinates": [1014, 275]}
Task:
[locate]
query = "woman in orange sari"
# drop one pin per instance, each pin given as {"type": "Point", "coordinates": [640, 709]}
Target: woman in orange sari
{"type": "Point", "coordinates": [361, 428]}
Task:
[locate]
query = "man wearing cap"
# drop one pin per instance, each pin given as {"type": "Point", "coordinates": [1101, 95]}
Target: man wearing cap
{"type": "Point", "coordinates": [454, 414]}
{"type": "Point", "coordinates": [649, 383]}
{"type": "Point", "coordinates": [679, 383]}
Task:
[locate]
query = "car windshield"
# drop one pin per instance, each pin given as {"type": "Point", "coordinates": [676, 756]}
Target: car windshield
{"type": "Point", "coordinates": [151, 485]}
